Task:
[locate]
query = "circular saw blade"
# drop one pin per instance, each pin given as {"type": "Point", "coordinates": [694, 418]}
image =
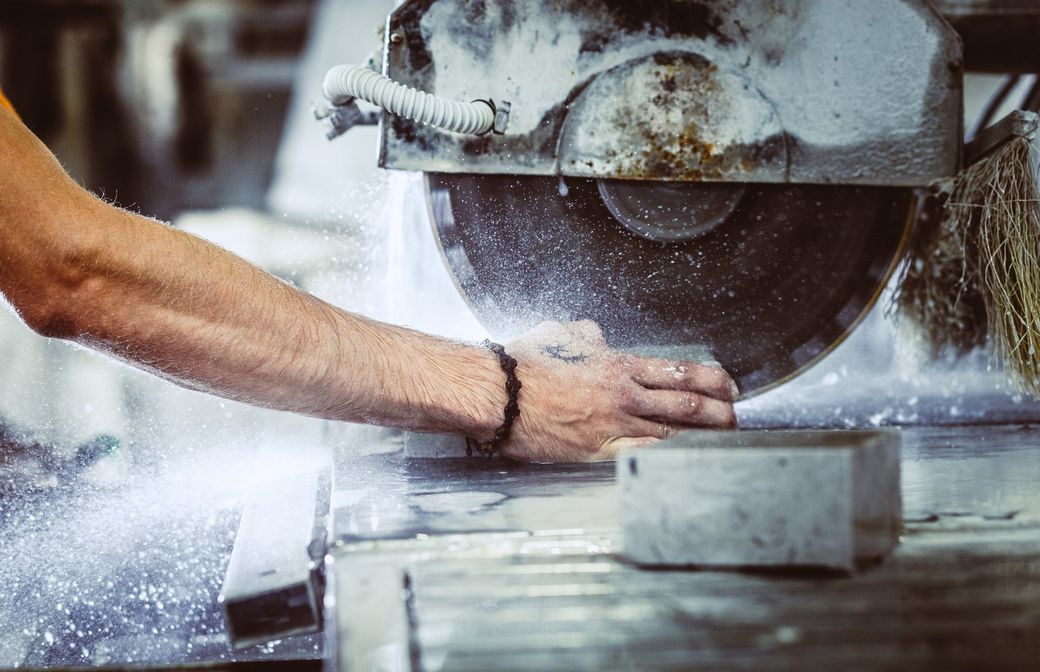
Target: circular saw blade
{"type": "Point", "coordinates": [777, 285]}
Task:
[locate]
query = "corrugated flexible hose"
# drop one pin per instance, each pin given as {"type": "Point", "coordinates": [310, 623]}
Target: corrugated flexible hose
{"type": "Point", "coordinates": [344, 82]}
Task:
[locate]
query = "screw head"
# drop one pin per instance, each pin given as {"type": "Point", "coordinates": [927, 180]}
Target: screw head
{"type": "Point", "coordinates": [396, 38]}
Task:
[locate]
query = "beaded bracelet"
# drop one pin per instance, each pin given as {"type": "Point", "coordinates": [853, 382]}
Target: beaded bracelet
{"type": "Point", "coordinates": [512, 409]}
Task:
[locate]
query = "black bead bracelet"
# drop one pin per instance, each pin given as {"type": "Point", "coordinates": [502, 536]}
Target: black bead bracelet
{"type": "Point", "coordinates": [512, 409]}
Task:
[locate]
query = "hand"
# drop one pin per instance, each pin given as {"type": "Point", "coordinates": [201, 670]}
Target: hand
{"type": "Point", "coordinates": [582, 401]}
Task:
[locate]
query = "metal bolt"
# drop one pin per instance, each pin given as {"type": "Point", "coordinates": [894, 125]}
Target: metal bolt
{"type": "Point", "coordinates": [396, 38]}
{"type": "Point", "coordinates": [501, 117]}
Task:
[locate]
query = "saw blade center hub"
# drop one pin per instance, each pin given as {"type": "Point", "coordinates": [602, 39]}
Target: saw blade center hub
{"type": "Point", "coordinates": [669, 212]}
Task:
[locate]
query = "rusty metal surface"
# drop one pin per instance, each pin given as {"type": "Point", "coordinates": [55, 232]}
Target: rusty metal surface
{"type": "Point", "coordinates": [673, 116]}
{"type": "Point", "coordinates": [534, 584]}
{"type": "Point", "coordinates": [805, 91]}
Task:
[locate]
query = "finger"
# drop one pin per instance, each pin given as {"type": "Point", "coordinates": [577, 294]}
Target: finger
{"type": "Point", "coordinates": [683, 408]}
{"type": "Point", "coordinates": [663, 374]}
{"type": "Point", "coordinates": [611, 447]}
{"type": "Point", "coordinates": [650, 428]}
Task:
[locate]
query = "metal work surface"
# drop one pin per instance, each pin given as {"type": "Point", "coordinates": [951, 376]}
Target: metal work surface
{"type": "Point", "coordinates": [272, 588]}
{"type": "Point", "coordinates": [474, 564]}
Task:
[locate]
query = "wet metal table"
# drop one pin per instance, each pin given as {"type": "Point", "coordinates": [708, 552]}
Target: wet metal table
{"type": "Point", "coordinates": [456, 564]}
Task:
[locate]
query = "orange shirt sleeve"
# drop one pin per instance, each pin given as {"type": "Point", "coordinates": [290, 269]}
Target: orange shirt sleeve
{"type": "Point", "coordinates": [5, 103]}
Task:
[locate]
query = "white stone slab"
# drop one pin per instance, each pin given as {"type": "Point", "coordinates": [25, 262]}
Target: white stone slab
{"type": "Point", "coordinates": [762, 498]}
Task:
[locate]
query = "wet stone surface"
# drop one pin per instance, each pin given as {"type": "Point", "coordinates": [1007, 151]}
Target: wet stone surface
{"type": "Point", "coordinates": [512, 578]}
{"type": "Point", "coordinates": [531, 579]}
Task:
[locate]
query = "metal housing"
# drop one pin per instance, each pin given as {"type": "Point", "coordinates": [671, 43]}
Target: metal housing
{"type": "Point", "coordinates": [810, 91]}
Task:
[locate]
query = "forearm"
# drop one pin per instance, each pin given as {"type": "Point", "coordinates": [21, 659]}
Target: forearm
{"type": "Point", "coordinates": [180, 307]}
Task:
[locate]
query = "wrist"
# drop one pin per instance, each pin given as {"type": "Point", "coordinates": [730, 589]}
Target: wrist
{"type": "Point", "coordinates": [476, 403]}
{"type": "Point", "coordinates": [454, 388]}
{"type": "Point", "coordinates": [510, 412]}
{"type": "Point", "coordinates": [416, 382]}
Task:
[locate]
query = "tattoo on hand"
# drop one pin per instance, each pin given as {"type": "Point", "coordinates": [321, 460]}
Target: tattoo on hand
{"type": "Point", "coordinates": [559, 351]}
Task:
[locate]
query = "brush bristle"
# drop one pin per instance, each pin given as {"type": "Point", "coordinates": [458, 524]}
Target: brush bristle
{"type": "Point", "coordinates": [974, 276]}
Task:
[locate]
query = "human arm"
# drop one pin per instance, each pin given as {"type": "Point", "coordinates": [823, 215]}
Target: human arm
{"type": "Point", "coordinates": [80, 269]}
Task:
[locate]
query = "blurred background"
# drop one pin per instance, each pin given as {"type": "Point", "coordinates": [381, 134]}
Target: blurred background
{"type": "Point", "coordinates": [165, 105]}
{"type": "Point", "coordinates": [119, 492]}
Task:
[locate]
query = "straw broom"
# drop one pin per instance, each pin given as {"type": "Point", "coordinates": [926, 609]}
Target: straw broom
{"type": "Point", "coordinates": [973, 274]}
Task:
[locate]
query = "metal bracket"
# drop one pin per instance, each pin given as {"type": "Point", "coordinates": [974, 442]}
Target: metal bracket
{"type": "Point", "coordinates": [501, 116]}
{"type": "Point", "coordinates": [341, 118]}
{"type": "Point", "coordinates": [1018, 124]}
{"type": "Point", "coordinates": [274, 584]}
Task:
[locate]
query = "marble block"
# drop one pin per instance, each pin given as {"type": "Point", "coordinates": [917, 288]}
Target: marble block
{"type": "Point", "coordinates": [762, 498]}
